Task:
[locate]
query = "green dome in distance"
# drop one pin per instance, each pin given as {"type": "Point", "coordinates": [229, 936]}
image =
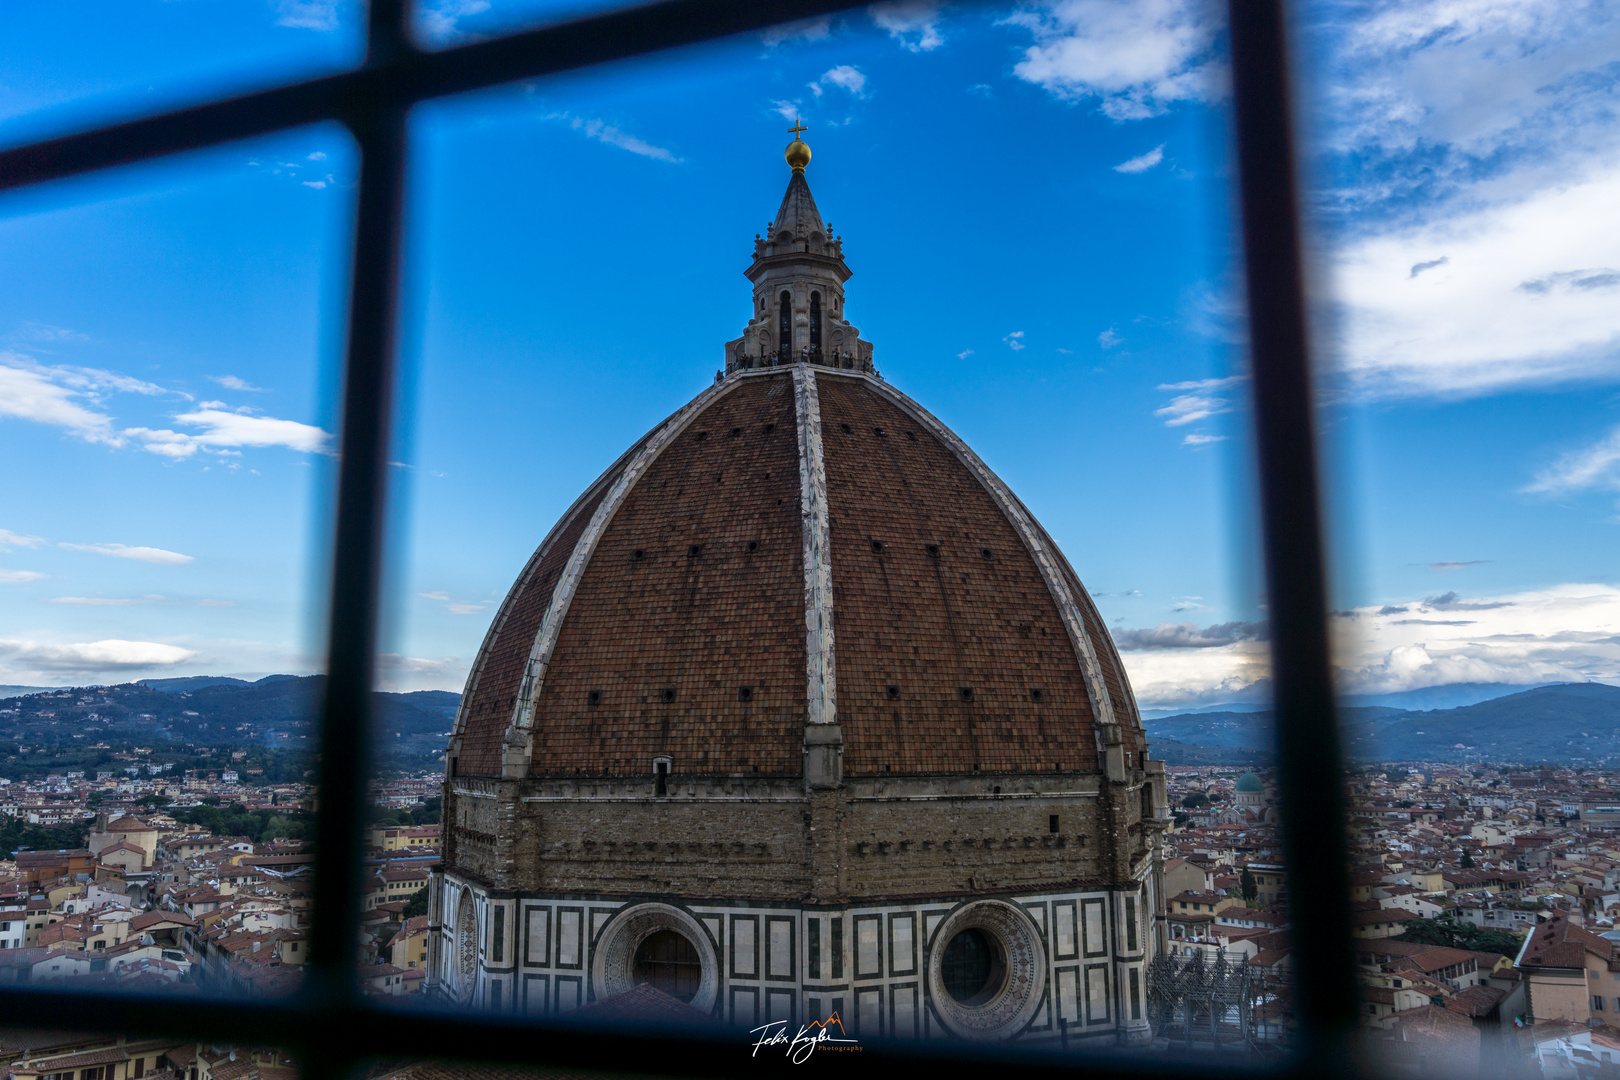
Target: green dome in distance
{"type": "Point", "coordinates": [1249, 782]}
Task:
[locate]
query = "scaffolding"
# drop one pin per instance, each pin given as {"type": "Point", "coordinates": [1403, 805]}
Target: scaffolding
{"type": "Point", "coordinates": [1208, 999]}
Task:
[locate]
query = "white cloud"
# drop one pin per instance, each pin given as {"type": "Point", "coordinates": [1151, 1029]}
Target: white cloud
{"type": "Point", "coordinates": [232, 382]}
{"type": "Point", "coordinates": [73, 398]}
{"type": "Point", "coordinates": [964, 354]}
{"type": "Point", "coordinates": [140, 554]}
{"type": "Point", "coordinates": [1197, 400]}
{"type": "Point", "coordinates": [95, 601]}
{"type": "Point", "coordinates": [1195, 440]}
{"type": "Point", "coordinates": [1523, 297]}
{"type": "Point", "coordinates": [29, 392]}
{"type": "Point", "coordinates": [12, 577]}
{"type": "Point", "coordinates": [9, 540]}
{"type": "Point", "coordinates": [440, 18]}
{"type": "Point", "coordinates": [845, 76]}
{"type": "Point", "coordinates": [1109, 338]}
{"type": "Point", "coordinates": [229, 429]}
{"type": "Point", "coordinates": [817, 29]}
{"type": "Point", "coordinates": [1595, 466]}
{"type": "Point", "coordinates": [1143, 162]}
{"type": "Point", "coordinates": [307, 14]}
{"type": "Point", "coordinates": [36, 331]}
{"type": "Point", "coordinates": [1565, 633]}
{"type": "Point", "coordinates": [1136, 58]}
{"type": "Point", "coordinates": [456, 607]}
{"type": "Point", "coordinates": [397, 672]}
{"type": "Point", "coordinates": [913, 23]}
{"type": "Point", "coordinates": [112, 655]}
{"type": "Point", "coordinates": [604, 132]}
{"type": "Point", "coordinates": [1479, 164]}
{"type": "Point", "coordinates": [1015, 340]}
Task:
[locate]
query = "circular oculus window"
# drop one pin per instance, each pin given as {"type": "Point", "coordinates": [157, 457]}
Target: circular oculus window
{"type": "Point", "coordinates": [986, 970]}
{"type": "Point", "coordinates": [658, 944]}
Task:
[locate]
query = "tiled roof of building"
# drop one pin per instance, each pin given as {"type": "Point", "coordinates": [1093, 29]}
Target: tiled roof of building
{"type": "Point", "coordinates": [1560, 943]}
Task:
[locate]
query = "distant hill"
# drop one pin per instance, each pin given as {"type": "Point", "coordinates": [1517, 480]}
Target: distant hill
{"type": "Point", "coordinates": [1563, 722]}
{"type": "Point", "coordinates": [1566, 722]}
{"type": "Point", "coordinates": [18, 691]}
{"type": "Point", "coordinates": [1175, 753]}
{"type": "Point", "coordinates": [1450, 696]}
{"type": "Point", "coordinates": [280, 711]}
{"type": "Point", "coordinates": [193, 682]}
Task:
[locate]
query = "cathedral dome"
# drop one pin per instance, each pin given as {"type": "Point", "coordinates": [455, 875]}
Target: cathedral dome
{"type": "Point", "coordinates": [798, 712]}
{"type": "Point", "coordinates": [796, 547]}
{"type": "Point", "coordinates": [800, 553]}
{"type": "Point", "coordinates": [1248, 784]}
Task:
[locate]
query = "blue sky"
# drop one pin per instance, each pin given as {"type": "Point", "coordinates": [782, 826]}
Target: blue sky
{"type": "Point", "coordinates": [1035, 201]}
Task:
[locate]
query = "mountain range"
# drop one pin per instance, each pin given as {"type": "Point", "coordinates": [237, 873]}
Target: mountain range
{"type": "Point", "coordinates": [1575, 723]}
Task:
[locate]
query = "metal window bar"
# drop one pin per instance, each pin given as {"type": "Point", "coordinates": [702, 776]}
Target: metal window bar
{"type": "Point", "coordinates": [328, 1024]}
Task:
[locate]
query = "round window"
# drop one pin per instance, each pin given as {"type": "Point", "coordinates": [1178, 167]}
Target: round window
{"type": "Point", "coordinates": [987, 970]}
{"type": "Point", "coordinates": [972, 969]}
{"type": "Point", "coordinates": [669, 962]}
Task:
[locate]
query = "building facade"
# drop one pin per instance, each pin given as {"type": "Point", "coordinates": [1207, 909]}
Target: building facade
{"type": "Point", "coordinates": [799, 711]}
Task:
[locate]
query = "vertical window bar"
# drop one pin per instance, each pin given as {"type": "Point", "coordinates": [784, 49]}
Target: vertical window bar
{"type": "Point", "coordinates": [1309, 759]}
{"type": "Point", "coordinates": [356, 554]}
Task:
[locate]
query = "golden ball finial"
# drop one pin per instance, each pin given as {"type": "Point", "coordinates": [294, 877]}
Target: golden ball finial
{"type": "Point", "coordinates": [797, 154]}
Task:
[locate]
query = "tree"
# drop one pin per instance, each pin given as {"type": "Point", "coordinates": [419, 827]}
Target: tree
{"type": "Point", "coordinates": [1497, 941]}
{"type": "Point", "coordinates": [1467, 861]}
{"type": "Point", "coordinates": [153, 801]}
{"type": "Point", "coordinates": [1195, 800]}
{"type": "Point", "coordinates": [1247, 887]}
{"type": "Point", "coordinates": [417, 904]}
{"type": "Point", "coordinates": [1395, 776]}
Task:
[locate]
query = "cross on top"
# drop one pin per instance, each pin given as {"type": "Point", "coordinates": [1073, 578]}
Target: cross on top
{"type": "Point", "coordinates": [798, 127]}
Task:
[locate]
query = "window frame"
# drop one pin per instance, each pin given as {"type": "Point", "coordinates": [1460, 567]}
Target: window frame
{"type": "Point", "coordinates": [329, 1024]}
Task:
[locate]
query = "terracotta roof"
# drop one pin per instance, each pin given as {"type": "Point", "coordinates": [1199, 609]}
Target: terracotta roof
{"type": "Point", "coordinates": [1560, 943]}
{"type": "Point", "coordinates": [80, 1061]}
{"type": "Point", "coordinates": [153, 918]}
{"type": "Point", "coordinates": [129, 824]}
{"type": "Point", "coordinates": [1435, 957]}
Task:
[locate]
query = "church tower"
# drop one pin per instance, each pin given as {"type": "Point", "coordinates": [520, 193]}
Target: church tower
{"type": "Point", "coordinates": [798, 710]}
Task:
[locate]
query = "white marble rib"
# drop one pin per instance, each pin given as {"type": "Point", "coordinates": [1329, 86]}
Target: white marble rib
{"type": "Point", "coordinates": [820, 662]}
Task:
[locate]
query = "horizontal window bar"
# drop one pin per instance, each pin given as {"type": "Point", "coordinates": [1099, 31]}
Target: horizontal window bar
{"type": "Point", "coordinates": [401, 79]}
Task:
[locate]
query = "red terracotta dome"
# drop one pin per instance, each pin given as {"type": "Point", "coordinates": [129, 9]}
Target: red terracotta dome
{"type": "Point", "coordinates": [666, 614]}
